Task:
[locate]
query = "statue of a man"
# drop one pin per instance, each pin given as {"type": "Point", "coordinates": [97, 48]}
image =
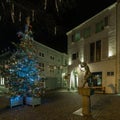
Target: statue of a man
{"type": "Point", "coordinates": [87, 72]}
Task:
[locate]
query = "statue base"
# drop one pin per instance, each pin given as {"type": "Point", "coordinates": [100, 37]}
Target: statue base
{"type": "Point", "coordinates": [86, 103]}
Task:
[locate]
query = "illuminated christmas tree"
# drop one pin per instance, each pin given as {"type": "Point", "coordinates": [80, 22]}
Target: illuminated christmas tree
{"type": "Point", "coordinates": [22, 70]}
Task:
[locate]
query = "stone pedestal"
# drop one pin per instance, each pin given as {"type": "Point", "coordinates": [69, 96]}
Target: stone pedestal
{"type": "Point", "coordinates": [86, 103]}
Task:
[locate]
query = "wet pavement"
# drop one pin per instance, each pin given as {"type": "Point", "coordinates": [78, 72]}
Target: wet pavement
{"type": "Point", "coordinates": [60, 105]}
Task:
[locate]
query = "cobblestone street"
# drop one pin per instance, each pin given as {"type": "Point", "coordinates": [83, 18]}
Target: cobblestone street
{"type": "Point", "coordinates": [59, 105]}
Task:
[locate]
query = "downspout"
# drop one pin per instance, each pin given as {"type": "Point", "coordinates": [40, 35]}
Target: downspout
{"type": "Point", "coordinates": [117, 54]}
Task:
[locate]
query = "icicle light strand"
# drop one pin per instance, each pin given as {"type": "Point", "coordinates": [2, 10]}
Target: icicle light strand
{"type": "Point", "coordinates": [45, 5]}
{"type": "Point", "coordinates": [56, 5]}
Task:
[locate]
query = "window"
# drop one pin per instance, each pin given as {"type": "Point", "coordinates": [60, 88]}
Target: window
{"type": "Point", "coordinates": [100, 25]}
{"type": "Point", "coordinates": [98, 50]}
{"type": "Point", "coordinates": [95, 51]}
{"type": "Point", "coordinates": [86, 32]}
{"type": "Point", "coordinates": [77, 36]}
{"type": "Point", "coordinates": [92, 52]}
{"type": "Point", "coordinates": [51, 57]}
{"type": "Point", "coordinates": [110, 73]}
{"type": "Point", "coordinates": [41, 66]}
{"type": "Point", "coordinates": [74, 56]}
{"type": "Point", "coordinates": [96, 79]}
{"type": "Point", "coordinates": [51, 70]}
{"type": "Point", "coordinates": [65, 62]}
{"type": "Point", "coordinates": [41, 54]}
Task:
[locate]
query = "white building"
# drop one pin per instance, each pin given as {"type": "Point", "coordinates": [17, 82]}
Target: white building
{"type": "Point", "coordinates": [53, 65]}
{"type": "Point", "coordinates": [97, 42]}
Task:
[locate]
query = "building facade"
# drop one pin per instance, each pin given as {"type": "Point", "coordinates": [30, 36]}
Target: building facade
{"type": "Point", "coordinates": [53, 66]}
{"type": "Point", "coordinates": [97, 42]}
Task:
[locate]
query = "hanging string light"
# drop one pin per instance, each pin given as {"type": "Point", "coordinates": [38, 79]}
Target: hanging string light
{"type": "Point", "coordinates": [3, 6]}
{"type": "Point", "coordinates": [12, 13]}
{"type": "Point", "coordinates": [8, 1]}
{"type": "Point", "coordinates": [20, 16]}
{"type": "Point", "coordinates": [56, 5]}
{"type": "Point", "coordinates": [45, 5]}
{"type": "Point", "coordinates": [55, 29]}
{"type": "Point", "coordinates": [33, 15]}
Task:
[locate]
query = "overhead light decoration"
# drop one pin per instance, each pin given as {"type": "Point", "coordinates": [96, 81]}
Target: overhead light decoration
{"type": "Point", "coordinates": [20, 16]}
{"type": "Point", "coordinates": [45, 5]}
{"type": "Point", "coordinates": [33, 14]}
{"type": "Point", "coordinates": [55, 30]}
{"type": "Point", "coordinates": [56, 4]}
{"type": "Point", "coordinates": [12, 13]}
{"type": "Point", "coordinates": [7, 1]}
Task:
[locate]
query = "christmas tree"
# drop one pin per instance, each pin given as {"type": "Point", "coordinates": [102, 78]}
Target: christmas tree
{"type": "Point", "coordinates": [22, 70]}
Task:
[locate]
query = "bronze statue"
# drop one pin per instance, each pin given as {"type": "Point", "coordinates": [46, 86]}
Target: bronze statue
{"type": "Point", "coordinates": [88, 74]}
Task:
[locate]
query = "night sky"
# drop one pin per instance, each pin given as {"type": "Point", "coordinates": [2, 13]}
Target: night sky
{"type": "Point", "coordinates": [70, 14]}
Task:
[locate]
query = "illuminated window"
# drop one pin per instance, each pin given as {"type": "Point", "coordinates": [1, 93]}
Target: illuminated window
{"type": "Point", "coordinates": [97, 81]}
{"type": "Point", "coordinates": [2, 81]}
